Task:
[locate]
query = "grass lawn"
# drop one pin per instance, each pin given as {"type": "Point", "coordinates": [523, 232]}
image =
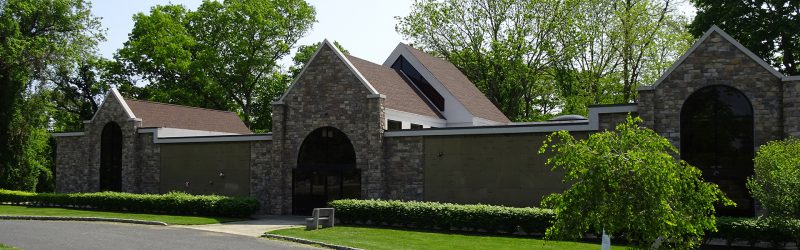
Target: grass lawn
{"type": "Point", "coordinates": [169, 219]}
{"type": "Point", "coordinates": [7, 247]}
{"type": "Point", "coordinates": [384, 238]}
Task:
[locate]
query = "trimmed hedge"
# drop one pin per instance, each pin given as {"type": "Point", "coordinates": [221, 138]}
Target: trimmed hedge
{"type": "Point", "coordinates": [443, 215]}
{"type": "Point", "coordinates": [170, 203]}
{"type": "Point", "coordinates": [777, 231]}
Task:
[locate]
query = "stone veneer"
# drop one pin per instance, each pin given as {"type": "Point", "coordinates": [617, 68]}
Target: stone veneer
{"type": "Point", "coordinates": [609, 121]}
{"type": "Point", "coordinates": [328, 93]}
{"type": "Point", "coordinates": [405, 167]}
{"type": "Point", "coordinates": [71, 173]}
{"type": "Point", "coordinates": [791, 108]}
{"type": "Point", "coordinates": [263, 177]}
{"type": "Point", "coordinates": [149, 163]}
{"type": "Point", "coordinates": [715, 61]}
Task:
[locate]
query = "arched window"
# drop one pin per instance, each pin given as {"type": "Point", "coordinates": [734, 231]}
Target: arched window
{"type": "Point", "coordinates": [717, 137]}
{"type": "Point", "coordinates": [111, 158]}
{"type": "Point", "coordinates": [326, 171]}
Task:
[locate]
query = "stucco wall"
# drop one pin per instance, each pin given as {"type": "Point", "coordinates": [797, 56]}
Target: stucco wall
{"type": "Point", "coordinates": [329, 94]}
{"type": "Point", "coordinates": [200, 164]}
{"type": "Point", "coordinates": [503, 169]}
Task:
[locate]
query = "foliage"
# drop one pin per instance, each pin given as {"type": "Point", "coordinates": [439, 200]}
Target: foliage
{"type": "Point", "coordinates": [221, 56]}
{"type": "Point", "coordinates": [76, 91]}
{"type": "Point", "coordinates": [629, 183]}
{"type": "Point", "coordinates": [753, 230]}
{"type": "Point", "coordinates": [534, 59]}
{"type": "Point", "coordinates": [443, 215]}
{"type": "Point", "coordinates": [770, 29]}
{"type": "Point", "coordinates": [776, 183]}
{"type": "Point", "coordinates": [36, 36]}
{"type": "Point", "coordinates": [170, 203]}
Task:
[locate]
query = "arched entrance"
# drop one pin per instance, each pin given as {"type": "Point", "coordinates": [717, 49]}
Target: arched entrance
{"type": "Point", "coordinates": [326, 171]}
{"type": "Point", "coordinates": [111, 158]}
{"type": "Point", "coordinates": [717, 138]}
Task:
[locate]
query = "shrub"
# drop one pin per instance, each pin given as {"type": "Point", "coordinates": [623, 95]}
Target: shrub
{"type": "Point", "coordinates": [170, 203]}
{"type": "Point", "coordinates": [776, 183]}
{"type": "Point", "coordinates": [752, 230]}
{"type": "Point", "coordinates": [443, 215]}
{"type": "Point", "coordinates": [629, 183]}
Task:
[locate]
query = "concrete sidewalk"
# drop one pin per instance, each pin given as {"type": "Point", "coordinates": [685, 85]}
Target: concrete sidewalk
{"type": "Point", "coordinates": [254, 228]}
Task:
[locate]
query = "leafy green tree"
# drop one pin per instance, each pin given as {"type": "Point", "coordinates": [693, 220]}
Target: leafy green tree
{"type": "Point", "coordinates": [36, 36]}
{"type": "Point", "coordinates": [77, 91]}
{"type": "Point", "coordinates": [776, 183]}
{"type": "Point", "coordinates": [221, 56]}
{"type": "Point", "coordinates": [771, 29]}
{"type": "Point", "coordinates": [629, 183]}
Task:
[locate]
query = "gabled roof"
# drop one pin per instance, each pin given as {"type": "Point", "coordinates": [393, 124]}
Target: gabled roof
{"type": "Point", "coordinates": [714, 29]}
{"type": "Point", "coordinates": [459, 86]}
{"type": "Point", "coordinates": [154, 114]}
{"type": "Point", "coordinates": [400, 93]}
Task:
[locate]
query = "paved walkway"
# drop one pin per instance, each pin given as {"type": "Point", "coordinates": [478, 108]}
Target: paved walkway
{"type": "Point", "coordinates": [254, 228]}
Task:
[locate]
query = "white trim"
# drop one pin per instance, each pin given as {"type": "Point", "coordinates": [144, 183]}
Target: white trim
{"type": "Point", "coordinates": [68, 134]}
{"type": "Point", "coordinates": [478, 121]}
{"type": "Point", "coordinates": [696, 44]}
{"type": "Point", "coordinates": [113, 92]}
{"type": "Point", "coordinates": [196, 139]}
{"type": "Point", "coordinates": [407, 117]}
{"type": "Point", "coordinates": [593, 124]}
{"type": "Point", "coordinates": [341, 57]}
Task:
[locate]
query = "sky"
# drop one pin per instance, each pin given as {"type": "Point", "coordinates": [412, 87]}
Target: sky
{"type": "Point", "coordinates": [364, 27]}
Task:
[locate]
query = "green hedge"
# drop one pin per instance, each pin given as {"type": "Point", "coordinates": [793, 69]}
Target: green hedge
{"type": "Point", "coordinates": [777, 231]}
{"type": "Point", "coordinates": [170, 203]}
{"type": "Point", "coordinates": [443, 215]}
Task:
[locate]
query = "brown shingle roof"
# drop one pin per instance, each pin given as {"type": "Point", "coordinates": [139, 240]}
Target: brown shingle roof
{"type": "Point", "coordinates": [154, 114]}
{"type": "Point", "coordinates": [461, 87]}
{"type": "Point", "coordinates": [400, 94]}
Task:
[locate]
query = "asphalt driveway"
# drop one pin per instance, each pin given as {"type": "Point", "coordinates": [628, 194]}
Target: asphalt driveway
{"type": "Point", "coordinates": [31, 235]}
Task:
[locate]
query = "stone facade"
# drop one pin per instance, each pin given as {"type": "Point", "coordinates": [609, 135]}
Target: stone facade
{"type": "Point", "coordinates": [791, 108]}
{"type": "Point", "coordinates": [404, 168]}
{"type": "Point", "coordinates": [263, 177]}
{"type": "Point", "coordinates": [716, 61]}
{"type": "Point", "coordinates": [72, 173]}
{"type": "Point", "coordinates": [328, 93]}
{"type": "Point", "coordinates": [609, 121]}
{"type": "Point", "coordinates": [149, 162]}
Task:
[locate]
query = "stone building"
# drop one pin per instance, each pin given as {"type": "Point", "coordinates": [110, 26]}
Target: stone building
{"type": "Point", "coordinates": [415, 128]}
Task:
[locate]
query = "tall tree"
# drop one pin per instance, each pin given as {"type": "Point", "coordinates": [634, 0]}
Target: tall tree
{"type": "Point", "coordinates": [769, 28]}
{"type": "Point", "coordinates": [35, 37]}
{"type": "Point", "coordinates": [221, 56]}
{"type": "Point", "coordinates": [77, 91]}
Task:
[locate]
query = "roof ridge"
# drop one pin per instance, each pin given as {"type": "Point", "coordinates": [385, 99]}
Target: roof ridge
{"type": "Point", "coordinates": [181, 106]}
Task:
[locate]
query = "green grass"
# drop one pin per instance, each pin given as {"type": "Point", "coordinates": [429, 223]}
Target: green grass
{"type": "Point", "coordinates": [169, 219]}
{"type": "Point", "coordinates": [7, 247]}
{"type": "Point", "coordinates": [384, 238]}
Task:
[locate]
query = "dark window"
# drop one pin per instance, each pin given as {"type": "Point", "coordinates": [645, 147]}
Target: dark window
{"type": "Point", "coordinates": [326, 170]}
{"type": "Point", "coordinates": [394, 125]}
{"type": "Point", "coordinates": [111, 158]}
{"type": "Point", "coordinates": [717, 137]}
{"type": "Point", "coordinates": [416, 78]}
{"type": "Point", "coordinates": [416, 126]}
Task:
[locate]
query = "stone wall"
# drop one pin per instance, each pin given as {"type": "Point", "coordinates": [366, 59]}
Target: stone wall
{"type": "Point", "coordinates": [791, 108]}
{"type": "Point", "coordinates": [265, 182]}
{"type": "Point", "coordinates": [609, 121]}
{"type": "Point", "coordinates": [149, 161]}
{"type": "Point", "coordinates": [72, 171]}
{"type": "Point", "coordinates": [716, 62]}
{"type": "Point", "coordinates": [404, 168]}
{"type": "Point", "coordinates": [112, 111]}
{"type": "Point", "coordinates": [329, 94]}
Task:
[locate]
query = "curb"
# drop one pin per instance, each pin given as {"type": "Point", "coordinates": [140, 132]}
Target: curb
{"type": "Point", "coordinates": [308, 242]}
{"type": "Point", "coordinates": [61, 218]}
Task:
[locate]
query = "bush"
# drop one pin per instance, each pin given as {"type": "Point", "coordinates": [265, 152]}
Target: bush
{"type": "Point", "coordinates": [443, 215]}
{"type": "Point", "coordinates": [170, 203]}
{"type": "Point", "coordinates": [776, 183]}
{"type": "Point", "coordinates": [752, 230]}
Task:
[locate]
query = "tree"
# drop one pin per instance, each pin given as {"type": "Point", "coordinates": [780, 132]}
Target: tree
{"type": "Point", "coordinates": [629, 183]}
{"type": "Point", "coordinates": [303, 55]}
{"type": "Point", "coordinates": [77, 91]}
{"type": "Point", "coordinates": [221, 56]}
{"type": "Point", "coordinates": [776, 182]}
{"type": "Point", "coordinates": [35, 37]}
{"type": "Point", "coordinates": [771, 29]}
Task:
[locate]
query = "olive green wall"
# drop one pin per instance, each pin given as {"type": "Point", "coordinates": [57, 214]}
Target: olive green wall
{"type": "Point", "coordinates": [201, 163]}
{"type": "Point", "coordinates": [489, 169]}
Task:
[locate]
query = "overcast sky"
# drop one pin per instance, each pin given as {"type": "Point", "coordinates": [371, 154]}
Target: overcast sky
{"type": "Point", "coordinates": [363, 27]}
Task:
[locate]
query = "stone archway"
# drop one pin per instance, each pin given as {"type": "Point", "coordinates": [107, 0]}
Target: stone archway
{"type": "Point", "coordinates": [717, 137]}
{"type": "Point", "coordinates": [111, 158]}
{"type": "Point", "coordinates": [326, 170]}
